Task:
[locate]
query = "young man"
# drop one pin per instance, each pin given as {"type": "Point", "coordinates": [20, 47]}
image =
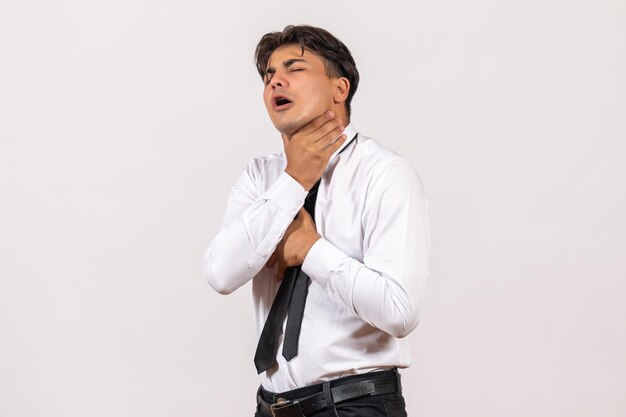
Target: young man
{"type": "Point", "coordinates": [333, 234]}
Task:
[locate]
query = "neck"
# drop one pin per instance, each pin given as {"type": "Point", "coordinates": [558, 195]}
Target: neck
{"type": "Point", "coordinates": [345, 121]}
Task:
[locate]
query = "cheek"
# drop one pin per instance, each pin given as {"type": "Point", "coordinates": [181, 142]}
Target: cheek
{"type": "Point", "coordinates": [266, 98]}
{"type": "Point", "coordinates": [319, 98]}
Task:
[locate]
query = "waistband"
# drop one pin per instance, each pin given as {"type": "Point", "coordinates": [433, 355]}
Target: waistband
{"type": "Point", "coordinates": [272, 397]}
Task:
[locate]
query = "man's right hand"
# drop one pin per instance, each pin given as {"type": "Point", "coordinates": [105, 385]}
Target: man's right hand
{"type": "Point", "coordinates": [310, 147]}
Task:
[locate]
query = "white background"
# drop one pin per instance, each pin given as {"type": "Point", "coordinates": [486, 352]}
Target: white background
{"type": "Point", "coordinates": [123, 124]}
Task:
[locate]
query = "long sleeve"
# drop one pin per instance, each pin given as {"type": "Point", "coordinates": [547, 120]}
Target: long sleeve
{"type": "Point", "coordinates": [253, 225]}
{"type": "Point", "coordinates": [368, 270]}
{"type": "Point", "coordinates": [386, 288]}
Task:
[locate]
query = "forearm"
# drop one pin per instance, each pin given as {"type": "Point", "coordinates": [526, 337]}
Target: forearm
{"type": "Point", "coordinates": [386, 284]}
{"type": "Point", "coordinates": [232, 258]}
{"type": "Point", "coordinates": [251, 230]}
{"type": "Point", "coordinates": [389, 300]}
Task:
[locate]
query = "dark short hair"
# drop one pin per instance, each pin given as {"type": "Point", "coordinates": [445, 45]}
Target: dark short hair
{"type": "Point", "coordinates": [337, 58]}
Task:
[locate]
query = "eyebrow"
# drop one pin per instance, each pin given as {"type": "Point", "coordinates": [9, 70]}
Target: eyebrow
{"type": "Point", "coordinates": [286, 64]}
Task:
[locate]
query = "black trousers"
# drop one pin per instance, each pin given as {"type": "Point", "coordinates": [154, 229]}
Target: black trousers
{"type": "Point", "coordinates": [386, 405]}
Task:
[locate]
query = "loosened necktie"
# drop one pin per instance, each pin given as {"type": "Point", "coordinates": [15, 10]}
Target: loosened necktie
{"type": "Point", "coordinates": [291, 297]}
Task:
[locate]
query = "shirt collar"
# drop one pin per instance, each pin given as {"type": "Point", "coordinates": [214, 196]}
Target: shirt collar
{"type": "Point", "coordinates": [350, 132]}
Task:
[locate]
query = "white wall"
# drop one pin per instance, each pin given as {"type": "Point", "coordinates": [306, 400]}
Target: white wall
{"type": "Point", "coordinates": [124, 123]}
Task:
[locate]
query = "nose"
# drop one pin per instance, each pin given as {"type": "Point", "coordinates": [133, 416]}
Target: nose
{"type": "Point", "coordinates": [278, 81]}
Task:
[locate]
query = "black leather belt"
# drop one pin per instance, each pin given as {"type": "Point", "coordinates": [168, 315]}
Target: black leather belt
{"type": "Point", "coordinates": [332, 392]}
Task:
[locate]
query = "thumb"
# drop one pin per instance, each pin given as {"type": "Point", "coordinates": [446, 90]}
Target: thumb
{"type": "Point", "coordinates": [304, 215]}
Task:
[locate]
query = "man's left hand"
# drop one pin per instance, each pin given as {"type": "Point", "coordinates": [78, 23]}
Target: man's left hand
{"type": "Point", "coordinates": [295, 245]}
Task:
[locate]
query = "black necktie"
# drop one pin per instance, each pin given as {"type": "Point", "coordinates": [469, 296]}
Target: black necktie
{"type": "Point", "coordinates": [294, 287]}
{"type": "Point", "coordinates": [291, 297]}
{"type": "Point", "coordinates": [300, 291]}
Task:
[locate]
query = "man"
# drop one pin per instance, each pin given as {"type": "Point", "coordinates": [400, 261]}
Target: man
{"type": "Point", "coordinates": [336, 292]}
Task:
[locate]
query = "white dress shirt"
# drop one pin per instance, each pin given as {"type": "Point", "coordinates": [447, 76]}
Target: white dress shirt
{"type": "Point", "coordinates": [368, 271]}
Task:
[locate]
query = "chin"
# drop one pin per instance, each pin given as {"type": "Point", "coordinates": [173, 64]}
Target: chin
{"type": "Point", "coordinates": [287, 130]}
{"type": "Point", "coordinates": [288, 127]}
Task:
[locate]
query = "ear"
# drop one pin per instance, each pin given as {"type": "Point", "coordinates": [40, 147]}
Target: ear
{"type": "Point", "coordinates": [342, 88]}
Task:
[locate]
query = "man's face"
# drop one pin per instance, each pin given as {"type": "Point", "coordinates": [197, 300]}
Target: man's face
{"type": "Point", "coordinates": [297, 88]}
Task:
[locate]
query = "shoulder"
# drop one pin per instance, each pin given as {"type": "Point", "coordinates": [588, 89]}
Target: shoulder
{"type": "Point", "coordinates": [262, 166]}
{"type": "Point", "coordinates": [389, 176]}
{"type": "Point", "coordinates": [382, 163]}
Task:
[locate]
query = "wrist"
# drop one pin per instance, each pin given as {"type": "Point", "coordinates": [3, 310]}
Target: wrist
{"type": "Point", "coordinates": [309, 241]}
{"type": "Point", "coordinates": [307, 185]}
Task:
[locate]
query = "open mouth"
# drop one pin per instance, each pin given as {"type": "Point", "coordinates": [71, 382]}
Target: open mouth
{"type": "Point", "coordinates": [280, 102]}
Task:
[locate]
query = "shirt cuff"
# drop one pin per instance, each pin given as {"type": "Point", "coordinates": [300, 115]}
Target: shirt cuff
{"type": "Point", "coordinates": [287, 194]}
{"type": "Point", "coordinates": [322, 259]}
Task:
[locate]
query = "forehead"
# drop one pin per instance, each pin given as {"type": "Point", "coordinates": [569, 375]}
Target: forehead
{"type": "Point", "coordinates": [294, 51]}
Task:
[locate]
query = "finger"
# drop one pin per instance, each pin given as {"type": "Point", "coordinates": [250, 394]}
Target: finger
{"type": "Point", "coordinates": [302, 213]}
{"type": "Point", "coordinates": [331, 136]}
{"type": "Point", "coordinates": [332, 133]}
{"type": "Point", "coordinates": [308, 223]}
{"type": "Point", "coordinates": [316, 123]}
{"type": "Point", "coordinates": [336, 144]}
{"type": "Point", "coordinates": [329, 131]}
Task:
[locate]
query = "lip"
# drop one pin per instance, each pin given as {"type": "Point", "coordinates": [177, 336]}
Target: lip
{"type": "Point", "coordinates": [282, 107]}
